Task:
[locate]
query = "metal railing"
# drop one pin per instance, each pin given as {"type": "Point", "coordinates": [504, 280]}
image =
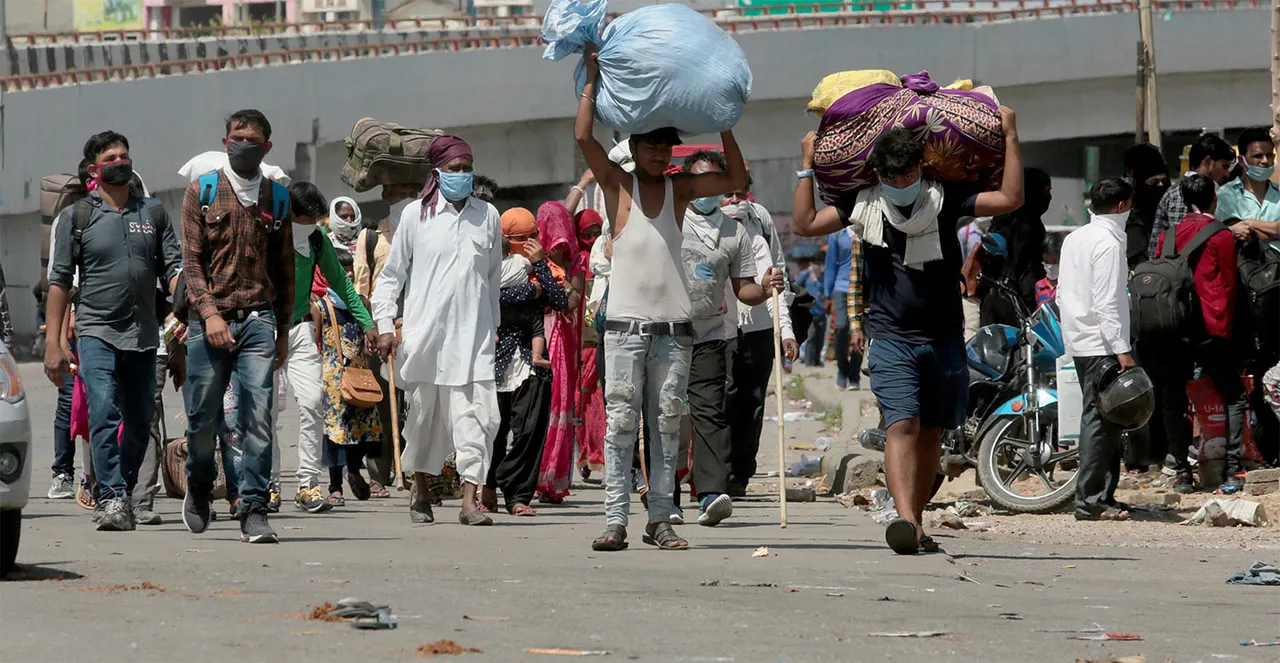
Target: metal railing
{"type": "Point", "coordinates": [515, 32]}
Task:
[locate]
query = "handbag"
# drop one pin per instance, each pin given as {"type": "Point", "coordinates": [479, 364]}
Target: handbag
{"type": "Point", "coordinates": [357, 385]}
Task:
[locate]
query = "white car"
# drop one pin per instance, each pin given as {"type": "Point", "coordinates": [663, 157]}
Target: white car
{"type": "Point", "coordinates": [15, 458]}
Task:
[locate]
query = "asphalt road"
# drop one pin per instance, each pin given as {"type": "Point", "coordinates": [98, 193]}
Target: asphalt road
{"type": "Point", "coordinates": [826, 585]}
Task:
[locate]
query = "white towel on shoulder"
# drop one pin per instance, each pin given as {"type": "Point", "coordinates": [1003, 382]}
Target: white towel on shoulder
{"type": "Point", "coordinates": [871, 209]}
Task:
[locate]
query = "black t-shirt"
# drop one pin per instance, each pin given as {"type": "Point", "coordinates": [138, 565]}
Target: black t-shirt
{"type": "Point", "coordinates": [916, 305]}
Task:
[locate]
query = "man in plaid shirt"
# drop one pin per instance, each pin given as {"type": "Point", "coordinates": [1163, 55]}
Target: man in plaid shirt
{"type": "Point", "coordinates": [237, 256]}
{"type": "Point", "coordinates": [1211, 156]}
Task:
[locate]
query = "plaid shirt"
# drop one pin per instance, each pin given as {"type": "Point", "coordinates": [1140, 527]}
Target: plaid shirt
{"type": "Point", "coordinates": [857, 301]}
{"type": "Point", "coordinates": [232, 256]}
{"type": "Point", "coordinates": [1169, 213]}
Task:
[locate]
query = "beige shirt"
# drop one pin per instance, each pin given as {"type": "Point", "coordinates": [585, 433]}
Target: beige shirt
{"type": "Point", "coordinates": [366, 274]}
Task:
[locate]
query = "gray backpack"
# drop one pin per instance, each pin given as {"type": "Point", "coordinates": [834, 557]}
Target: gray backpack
{"type": "Point", "coordinates": [1163, 305]}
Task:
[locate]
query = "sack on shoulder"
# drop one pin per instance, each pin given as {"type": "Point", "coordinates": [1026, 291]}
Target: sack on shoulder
{"type": "Point", "coordinates": [385, 153]}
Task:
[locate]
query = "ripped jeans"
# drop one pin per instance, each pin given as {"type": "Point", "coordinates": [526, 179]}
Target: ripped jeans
{"type": "Point", "coordinates": [635, 367]}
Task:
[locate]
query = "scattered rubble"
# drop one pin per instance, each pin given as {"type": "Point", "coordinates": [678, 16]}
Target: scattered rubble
{"type": "Point", "coordinates": [861, 473]}
{"type": "Point", "coordinates": [1262, 482]}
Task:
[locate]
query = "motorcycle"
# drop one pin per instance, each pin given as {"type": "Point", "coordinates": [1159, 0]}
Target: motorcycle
{"type": "Point", "coordinates": [1010, 432]}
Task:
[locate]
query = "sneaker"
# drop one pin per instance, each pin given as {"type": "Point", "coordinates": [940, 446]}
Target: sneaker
{"type": "Point", "coordinates": [97, 511]}
{"type": "Point", "coordinates": [841, 382]}
{"type": "Point", "coordinates": [1184, 484]}
{"type": "Point", "coordinates": [117, 516]}
{"type": "Point", "coordinates": [254, 528]}
{"type": "Point", "coordinates": [715, 508]}
{"type": "Point", "coordinates": [273, 498]}
{"type": "Point", "coordinates": [311, 500]}
{"type": "Point", "coordinates": [62, 488]}
{"type": "Point", "coordinates": [196, 514]}
{"type": "Point", "coordinates": [676, 517]}
{"type": "Point", "coordinates": [143, 514]}
{"type": "Point", "coordinates": [855, 387]}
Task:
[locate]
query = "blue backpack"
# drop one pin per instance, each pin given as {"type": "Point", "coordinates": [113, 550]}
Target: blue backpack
{"type": "Point", "coordinates": [208, 187]}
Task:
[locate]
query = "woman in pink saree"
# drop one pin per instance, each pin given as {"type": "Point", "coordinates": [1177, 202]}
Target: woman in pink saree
{"type": "Point", "coordinates": [559, 238]}
{"type": "Point", "coordinates": [591, 416]}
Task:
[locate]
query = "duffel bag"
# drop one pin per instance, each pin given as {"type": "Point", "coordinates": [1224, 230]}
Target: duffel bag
{"type": "Point", "coordinates": [385, 153]}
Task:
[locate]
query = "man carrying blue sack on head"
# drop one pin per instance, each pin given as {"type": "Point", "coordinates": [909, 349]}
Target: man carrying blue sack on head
{"type": "Point", "coordinates": [649, 331]}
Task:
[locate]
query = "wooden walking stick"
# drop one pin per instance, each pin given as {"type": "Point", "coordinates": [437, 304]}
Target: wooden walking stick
{"type": "Point", "coordinates": [395, 419]}
{"type": "Point", "coordinates": [781, 397]}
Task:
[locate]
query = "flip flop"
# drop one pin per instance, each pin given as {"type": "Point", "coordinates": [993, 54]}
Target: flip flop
{"type": "Point", "coordinates": [901, 536]}
{"type": "Point", "coordinates": [378, 491]}
{"type": "Point", "coordinates": [523, 510]}
{"type": "Point", "coordinates": [1110, 513]}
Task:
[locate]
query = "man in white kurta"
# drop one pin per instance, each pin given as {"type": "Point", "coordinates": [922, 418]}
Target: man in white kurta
{"type": "Point", "coordinates": [451, 264]}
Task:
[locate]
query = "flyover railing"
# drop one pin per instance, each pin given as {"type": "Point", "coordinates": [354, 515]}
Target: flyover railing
{"type": "Point", "coordinates": [46, 59]}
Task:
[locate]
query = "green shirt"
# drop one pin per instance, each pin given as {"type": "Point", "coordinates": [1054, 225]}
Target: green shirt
{"type": "Point", "coordinates": [304, 270]}
{"type": "Point", "coordinates": [1235, 202]}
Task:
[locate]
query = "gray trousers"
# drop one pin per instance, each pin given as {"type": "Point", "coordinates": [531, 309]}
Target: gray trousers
{"type": "Point", "coordinates": [144, 493]}
{"type": "Point", "coordinates": [1100, 447]}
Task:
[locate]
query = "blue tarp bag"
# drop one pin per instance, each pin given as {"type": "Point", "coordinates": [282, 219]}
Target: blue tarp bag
{"type": "Point", "coordinates": [660, 66]}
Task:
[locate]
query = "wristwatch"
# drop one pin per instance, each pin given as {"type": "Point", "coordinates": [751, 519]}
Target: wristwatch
{"type": "Point", "coordinates": [803, 174]}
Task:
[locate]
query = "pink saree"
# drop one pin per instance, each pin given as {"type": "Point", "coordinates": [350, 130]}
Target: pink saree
{"type": "Point", "coordinates": [556, 231]}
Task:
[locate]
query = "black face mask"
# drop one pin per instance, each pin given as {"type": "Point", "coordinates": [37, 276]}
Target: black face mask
{"type": "Point", "coordinates": [1147, 197]}
{"type": "Point", "coordinates": [116, 173]}
{"type": "Point", "coordinates": [245, 157]}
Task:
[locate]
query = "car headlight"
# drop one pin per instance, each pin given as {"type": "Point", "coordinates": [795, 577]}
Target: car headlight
{"type": "Point", "coordinates": [10, 463]}
{"type": "Point", "coordinates": [10, 379]}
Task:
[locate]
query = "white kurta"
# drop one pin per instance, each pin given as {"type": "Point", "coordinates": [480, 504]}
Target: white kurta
{"type": "Point", "coordinates": [452, 265]}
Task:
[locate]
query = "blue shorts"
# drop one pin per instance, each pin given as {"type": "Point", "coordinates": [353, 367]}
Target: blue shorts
{"type": "Point", "coordinates": [929, 381]}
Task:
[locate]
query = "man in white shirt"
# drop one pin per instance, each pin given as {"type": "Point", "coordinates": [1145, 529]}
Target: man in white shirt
{"type": "Point", "coordinates": [717, 251]}
{"type": "Point", "coordinates": [648, 329]}
{"type": "Point", "coordinates": [448, 251]}
{"type": "Point", "coordinates": [1094, 303]}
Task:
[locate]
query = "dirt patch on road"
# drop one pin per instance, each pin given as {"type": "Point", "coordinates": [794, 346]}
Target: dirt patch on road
{"type": "Point", "coordinates": [444, 648]}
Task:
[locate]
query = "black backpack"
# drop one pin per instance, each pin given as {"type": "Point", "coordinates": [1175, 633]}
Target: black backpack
{"type": "Point", "coordinates": [1162, 294]}
{"type": "Point", "coordinates": [1258, 267]}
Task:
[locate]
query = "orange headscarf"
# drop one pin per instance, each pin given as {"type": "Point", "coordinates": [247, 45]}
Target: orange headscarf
{"type": "Point", "coordinates": [518, 222]}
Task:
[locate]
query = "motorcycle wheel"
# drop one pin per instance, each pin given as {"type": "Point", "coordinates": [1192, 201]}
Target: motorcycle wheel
{"type": "Point", "coordinates": [1000, 466]}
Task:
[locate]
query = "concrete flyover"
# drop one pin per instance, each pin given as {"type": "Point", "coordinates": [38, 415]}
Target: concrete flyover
{"type": "Point", "coordinates": [1068, 69]}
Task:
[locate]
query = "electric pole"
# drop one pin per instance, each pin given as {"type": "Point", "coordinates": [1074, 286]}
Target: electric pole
{"type": "Point", "coordinates": [1149, 62]}
{"type": "Point", "coordinates": [1275, 69]}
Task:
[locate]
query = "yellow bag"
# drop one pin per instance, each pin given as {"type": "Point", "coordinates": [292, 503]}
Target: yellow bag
{"type": "Point", "coordinates": [837, 85]}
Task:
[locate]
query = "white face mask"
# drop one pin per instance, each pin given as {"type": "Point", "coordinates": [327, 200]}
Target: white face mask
{"type": "Point", "coordinates": [303, 229]}
{"type": "Point", "coordinates": [737, 211]}
{"type": "Point", "coordinates": [1051, 271]}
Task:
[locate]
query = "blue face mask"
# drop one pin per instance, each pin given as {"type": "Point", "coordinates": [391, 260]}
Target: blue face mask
{"type": "Point", "coordinates": [707, 205]}
{"type": "Point", "coordinates": [1259, 173]}
{"type": "Point", "coordinates": [454, 186]}
{"type": "Point", "coordinates": [902, 197]}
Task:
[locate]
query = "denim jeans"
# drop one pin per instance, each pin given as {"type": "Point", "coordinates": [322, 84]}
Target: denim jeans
{"type": "Point", "coordinates": [120, 386]}
{"type": "Point", "coordinates": [816, 339]}
{"type": "Point", "coordinates": [848, 362]}
{"type": "Point", "coordinates": [208, 374]}
{"type": "Point", "coordinates": [153, 457]}
{"type": "Point", "coordinates": [64, 448]}
{"type": "Point", "coordinates": [650, 371]}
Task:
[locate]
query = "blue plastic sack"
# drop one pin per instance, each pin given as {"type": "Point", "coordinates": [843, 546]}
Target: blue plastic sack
{"type": "Point", "coordinates": [660, 66]}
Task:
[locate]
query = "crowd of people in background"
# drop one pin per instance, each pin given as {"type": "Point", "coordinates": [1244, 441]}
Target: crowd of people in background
{"type": "Point", "coordinates": [502, 352]}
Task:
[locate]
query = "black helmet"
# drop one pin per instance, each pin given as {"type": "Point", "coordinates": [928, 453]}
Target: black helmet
{"type": "Point", "coordinates": [1125, 399]}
